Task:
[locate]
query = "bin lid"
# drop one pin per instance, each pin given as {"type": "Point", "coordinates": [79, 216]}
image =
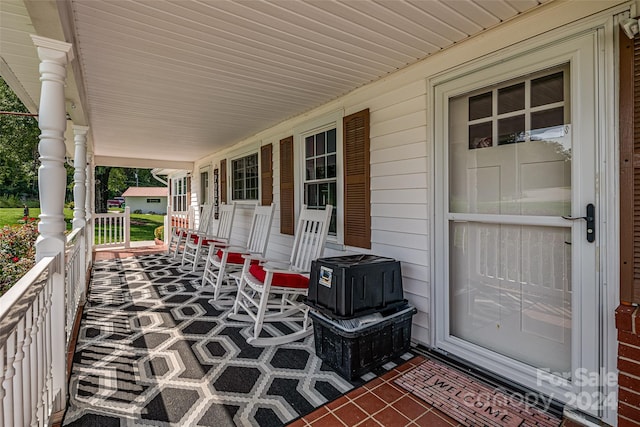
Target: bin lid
{"type": "Point", "coordinates": [353, 260]}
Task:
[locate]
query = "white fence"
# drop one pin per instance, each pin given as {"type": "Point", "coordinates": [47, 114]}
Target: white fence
{"type": "Point", "coordinates": [112, 229]}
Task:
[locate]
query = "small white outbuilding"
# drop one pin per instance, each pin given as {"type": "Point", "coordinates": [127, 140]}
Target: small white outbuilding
{"type": "Point", "coordinates": [146, 199]}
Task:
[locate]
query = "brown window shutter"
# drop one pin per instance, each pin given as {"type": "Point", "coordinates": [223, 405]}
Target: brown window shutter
{"type": "Point", "coordinates": [357, 206]}
{"type": "Point", "coordinates": [629, 169]}
{"type": "Point", "coordinates": [223, 181]}
{"type": "Point", "coordinates": [287, 207]}
{"type": "Point", "coordinates": [266, 174]}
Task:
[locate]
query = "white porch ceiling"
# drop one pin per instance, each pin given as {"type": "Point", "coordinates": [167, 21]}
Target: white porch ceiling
{"type": "Point", "coordinates": [176, 80]}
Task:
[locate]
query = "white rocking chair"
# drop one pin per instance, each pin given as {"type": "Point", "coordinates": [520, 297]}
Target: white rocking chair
{"type": "Point", "coordinates": [197, 242]}
{"type": "Point", "coordinates": [180, 234]}
{"type": "Point", "coordinates": [226, 260]}
{"type": "Point", "coordinates": [272, 291]}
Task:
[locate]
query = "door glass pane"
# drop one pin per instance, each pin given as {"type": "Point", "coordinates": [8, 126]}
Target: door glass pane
{"type": "Point", "coordinates": [480, 106]}
{"type": "Point", "coordinates": [510, 291]}
{"type": "Point", "coordinates": [510, 284]}
{"type": "Point", "coordinates": [547, 89]}
{"type": "Point", "coordinates": [511, 98]}
{"type": "Point", "coordinates": [528, 171]}
{"type": "Point", "coordinates": [511, 130]}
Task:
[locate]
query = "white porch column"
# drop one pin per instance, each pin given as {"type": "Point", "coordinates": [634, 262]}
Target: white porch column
{"type": "Point", "coordinates": [79, 175]}
{"type": "Point", "coordinates": [52, 179]}
{"type": "Point", "coordinates": [52, 176]}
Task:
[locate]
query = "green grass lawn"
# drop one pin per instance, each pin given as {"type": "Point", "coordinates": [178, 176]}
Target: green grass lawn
{"type": "Point", "coordinates": [142, 225]}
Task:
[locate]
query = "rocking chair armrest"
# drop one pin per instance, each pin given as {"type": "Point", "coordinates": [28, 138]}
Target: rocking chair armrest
{"type": "Point", "coordinates": [281, 267]}
{"type": "Point", "coordinates": [254, 257]}
{"type": "Point", "coordinates": [236, 249]}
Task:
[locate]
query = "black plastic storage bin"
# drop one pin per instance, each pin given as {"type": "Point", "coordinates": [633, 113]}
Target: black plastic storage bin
{"type": "Point", "coordinates": [354, 285]}
{"type": "Point", "coordinates": [354, 351]}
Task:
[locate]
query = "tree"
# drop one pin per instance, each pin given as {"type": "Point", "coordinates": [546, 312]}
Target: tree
{"type": "Point", "coordinates": [102, 187]}
{"type": "Point", "coordinates": [18, 147]}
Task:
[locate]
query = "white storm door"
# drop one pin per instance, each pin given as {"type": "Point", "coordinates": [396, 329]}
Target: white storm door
{"type": "Point", "coordinates": [517, 288]}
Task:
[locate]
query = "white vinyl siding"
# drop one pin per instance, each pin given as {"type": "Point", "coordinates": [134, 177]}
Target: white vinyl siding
{"type": "Point", "coordinates": [400, 157]}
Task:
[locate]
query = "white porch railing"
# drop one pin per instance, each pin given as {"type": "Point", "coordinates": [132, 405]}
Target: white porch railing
{"type": "Point", "coordinates": [182, 219]}
{"type": "Point", "coordinates": [74, 277]}
{"type": "Point", "coordinates": [33, 371]}
{"type": "Point", "coordinates": [27, 367]}
{"type": "Point", "coordinates": [112, 229]}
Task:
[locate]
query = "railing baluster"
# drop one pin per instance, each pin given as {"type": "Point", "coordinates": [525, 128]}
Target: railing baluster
{"type": "Point", "coordinates": [18, 389]}
{"type": "Point", "coordinates": [34, 362]}
{"type": "Point", "coordinates": [47, 291]}
{"type": "Point", "coordinates": [41, 356]}
{"type": "Point", "coordinates": [2, 392]}
{"type": "Point", "coordinates": [8, 379]}
{"type": "Point", "coordinates": [28, 373]}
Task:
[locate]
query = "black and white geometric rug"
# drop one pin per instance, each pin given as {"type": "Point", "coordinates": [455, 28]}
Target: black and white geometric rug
{"type": "Point", "coordinates": [152, 351]}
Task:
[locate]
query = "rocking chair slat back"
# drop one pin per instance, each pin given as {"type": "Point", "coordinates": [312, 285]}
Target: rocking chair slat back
{"type": "Point", "coordinates": [225, 221]}
{"type": "Point", "coordinates": [205, 218]}
{"type": "Point", "coordinates": [260, 229]}
{"type": "Point", "coordinates": [310, 237]}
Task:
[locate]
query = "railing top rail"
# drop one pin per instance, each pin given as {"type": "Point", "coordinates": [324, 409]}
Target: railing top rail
{"type": "Point", "coordinates": [73, 235]}
{"type": "Point", "coordinates": [109, 215]}
{"type": "Point", "coordinates": [18, 299]}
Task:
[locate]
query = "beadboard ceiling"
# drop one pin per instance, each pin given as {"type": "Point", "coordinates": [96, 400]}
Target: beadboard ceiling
{"type": "Point", "coordinates": [177, 80]}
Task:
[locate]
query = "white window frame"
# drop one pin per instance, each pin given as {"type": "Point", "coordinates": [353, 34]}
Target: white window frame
{"type": "Point", "coordinates": [205, 196]}
{"type": "Point", "coordinates": [250, 151]}
{"type": "Point", "coordinates": [179, 199]}
{"type": "Point", "coordinates": [312, 127]}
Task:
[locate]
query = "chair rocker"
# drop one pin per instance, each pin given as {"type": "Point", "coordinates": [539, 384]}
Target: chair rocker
{"type": "Point", "coordinates": [271, 291]}
{"type": "Point", "coordinates": [197, 242]}
{"type": "Point", "coordinates": [227, 260]}
{"type": "Point", "coordinates": [179, 234]}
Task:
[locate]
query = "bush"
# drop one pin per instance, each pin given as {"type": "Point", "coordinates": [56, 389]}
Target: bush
{"type": "Point", "coordinates": [17, 252]}
{"type": "Point", "coordinates": [158, 233]}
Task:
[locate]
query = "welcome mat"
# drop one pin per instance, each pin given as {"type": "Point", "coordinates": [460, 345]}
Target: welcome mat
{"type": "Point", "coordinates": [469, 401]}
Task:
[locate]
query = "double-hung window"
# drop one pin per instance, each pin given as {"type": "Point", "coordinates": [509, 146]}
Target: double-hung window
{"type": "Point", "coordinates": [244, 177]}
{"type": "Point", "coordinates": [320, 178]}
{"type": "Point", "coordinates": [179, 194]}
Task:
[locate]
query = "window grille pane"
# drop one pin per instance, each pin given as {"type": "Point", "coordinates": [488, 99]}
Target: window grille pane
{"type": "Point", "coordinates": [320, 168]}
{"type": "Point", "coordinates": [311, 169]}
{"type": "Point", "coordinates": [547, 89]}
{"type": "Point", "coordinates": [511, 98]}
{"type": "Point", "coordinates": [331, 166]}
{"type": "Point", "coordinates": [547, 118]}
{"type": "Point", "coordinates": [480, 106]}
{"type": "Point", "coordinates": [320, 144]}
{"type": "Point", "coordinates": [511, 130]}
{"type": "Point", "coordinates": [331, 141]}
{"type": "Point", "coordinates": [481, 135]}
{"type": "Point", "coordinates": [309, 143]}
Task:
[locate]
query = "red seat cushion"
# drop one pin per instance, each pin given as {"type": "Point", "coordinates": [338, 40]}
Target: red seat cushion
{"type": "Point", "coordinates": [233, 257]}
{"type": "Point", "coordinates": [281, 279]}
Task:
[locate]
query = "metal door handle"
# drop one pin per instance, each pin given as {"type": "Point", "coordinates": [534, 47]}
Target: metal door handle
{"type": "Point", "coordinates": [590, 219]}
